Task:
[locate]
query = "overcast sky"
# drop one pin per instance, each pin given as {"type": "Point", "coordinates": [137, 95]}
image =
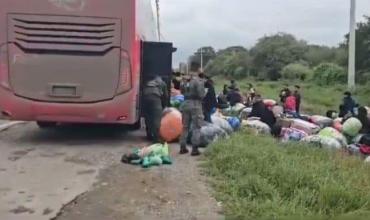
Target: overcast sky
{"type": "Point", "coordinates": [191, 24]}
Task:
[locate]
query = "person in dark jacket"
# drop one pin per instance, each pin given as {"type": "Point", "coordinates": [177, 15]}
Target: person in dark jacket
{"type": "Point", "coordinates": [298, 98]}
{"type": "Point", "coordinates": [234, 97]}
{"type": "Point", "coordinates": [260, 110]}
{"type": "Point", "coordinates": [225, 91]}
{"type": "Point", "coordinates": [176, 80]}
{"type": "Point", "coordinates": [363, 117]}
{"type": "Point", "coordinates": [155, 97]}
{"type": "Point", "coordinates": [209, 101]}
{"type": "Point", "coordinates": [348, 105]}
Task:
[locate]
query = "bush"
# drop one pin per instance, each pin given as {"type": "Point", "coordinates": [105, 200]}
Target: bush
{"type": "Point", "coordinates": [329, 73]}
{"type": "Point", "coordinates": [296, 71]}
{"type": "Point", "coordinates": [259, 178]}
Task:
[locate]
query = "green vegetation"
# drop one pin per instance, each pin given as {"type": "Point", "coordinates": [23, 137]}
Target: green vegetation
{"type": "Point", "coordinates": [329, 73]}
{"type": "Point", "coordinates": [296, 71]}
{"type": "Point", "coordinates": [277, 56]}
{"type": "Point", "coordinates": [259, 178]}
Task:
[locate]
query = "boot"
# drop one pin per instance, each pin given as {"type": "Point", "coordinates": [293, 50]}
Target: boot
{"type": "Point", "coordinates": [183, 150]}
{"type": "Point", "coordinates": [195, 152]}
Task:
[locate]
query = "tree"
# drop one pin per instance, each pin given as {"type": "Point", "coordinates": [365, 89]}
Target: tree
{"type": "Point", "coordinates": [272, 53]}
{"type": "Point", "coordinates": [232, 62]}
{"type": "Point", "coordinates": [318, 54]}
{"type": "Point", "coordinates": [296, 71]}
{"type": "Point", "coordinates": [362, 48]}
{"type": "Point", "coordinates": [329, 73]}
{"type": "Point", "coordinates": [208, 54]}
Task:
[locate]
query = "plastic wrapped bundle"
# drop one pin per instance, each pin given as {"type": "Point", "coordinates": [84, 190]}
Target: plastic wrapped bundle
{"type": "Point", "coordinates": [278, 111]}
{"type": "Point", "coordinates": [352, 127]}
{"type": "Point", "coordinates": [292, 134]}
{"type": "Point", "coordinates": [211, 133]}
{"type": "Point", "coordinates": [177, 100]}
{"type": "Point", "coordinates": [257, 125]}
{"type": "Point", "coordinates": [324, 142]}
{"type": "Point", "coordinates": [333, 133]}
{"type": "Point", "coordinates": [222, 123]}
{"type": "Point", "coordinates": [233, 111]}
{"type": "Point", "coordinates": [337, 124]}
{"type": "Point", "coordinates": [305, 126]}
{"type": "Point", "coordinates": [234, 123]}
{"type": "Point", "coordinates": [322, 121]}
{"type": "Point", "coordinates": [171, 125]}
{"type": "Point", "coordinates": [244, 113]}
{"type": "Point", "coordinates": [269, 102]}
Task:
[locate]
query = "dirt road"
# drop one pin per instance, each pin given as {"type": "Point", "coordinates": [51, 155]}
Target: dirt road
{"type": "Point", "coordinates": [74, 173]}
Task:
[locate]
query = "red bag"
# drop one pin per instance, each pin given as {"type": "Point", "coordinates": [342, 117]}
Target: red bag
{"type": "Point", "coordinates": [364, 149]}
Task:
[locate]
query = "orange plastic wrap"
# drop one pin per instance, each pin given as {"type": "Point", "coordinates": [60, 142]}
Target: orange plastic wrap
{"type": "Point", "coordinates": [171, 125]}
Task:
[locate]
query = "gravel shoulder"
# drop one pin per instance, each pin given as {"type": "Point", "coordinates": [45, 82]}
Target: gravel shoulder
{"type": "Point", "coordinates": [126, 192]}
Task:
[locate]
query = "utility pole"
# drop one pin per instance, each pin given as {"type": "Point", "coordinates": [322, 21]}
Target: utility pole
{"type": "Point", "coordinates": [352, 48]}
{"type": "Point", "coordinates": [158, 22]}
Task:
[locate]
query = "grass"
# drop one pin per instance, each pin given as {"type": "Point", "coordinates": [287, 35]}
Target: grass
{"type": "Point", "coordinates": [316, 99]}
{"type": "Point", "coordinates": [259, 178]}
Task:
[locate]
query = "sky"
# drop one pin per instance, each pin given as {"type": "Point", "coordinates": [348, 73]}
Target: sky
{"type": "Point", "coordinates": [190, 24]}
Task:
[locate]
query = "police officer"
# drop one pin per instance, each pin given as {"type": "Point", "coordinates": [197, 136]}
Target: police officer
{"type": "Point", "coordinates": [155, 97]}
{"type": "Point", "coordinates": [192, 114]}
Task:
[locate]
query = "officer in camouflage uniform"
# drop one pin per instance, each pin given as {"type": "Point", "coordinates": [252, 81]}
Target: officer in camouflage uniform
{"type": "Point", "coordinates": [155, 97]}
{"type": "Point", "coordinates": [192, 114]}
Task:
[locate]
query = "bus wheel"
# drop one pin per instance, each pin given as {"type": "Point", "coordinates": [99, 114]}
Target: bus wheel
{"type": "Point", "coordinates": [45, 125]}
{"type": "Point", "coordinates": [136, 126]}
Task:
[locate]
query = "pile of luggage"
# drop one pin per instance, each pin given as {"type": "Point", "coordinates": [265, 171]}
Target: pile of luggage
{"type": "Point", "coordinates": [317, 130]}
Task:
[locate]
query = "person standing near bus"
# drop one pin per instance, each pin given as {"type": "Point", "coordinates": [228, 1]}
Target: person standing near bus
{"type": "Point", "coordinates": [155, 96]}
{"type": "Point", "coordinates": [192, 113]}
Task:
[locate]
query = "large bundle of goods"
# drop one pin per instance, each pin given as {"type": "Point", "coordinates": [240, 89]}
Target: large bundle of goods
{"type": "Point", "coordinates": [222, 123]}
{"type": "Point", "coordinates": [352, 127]}
{"type": "Point", "coordinates": [333, 133]}
{"type": "Point", "coordinates": [245, 113]}
{"type": "Point", "coordinates": [337, 124]}
{"type": "Point", "coordinates": [233, 111]}
{"type": "Point", "coordinates": [269, 102]}
{"type": "Point", "coordinates": [292, 134]}
{"type": "Point", "coordinates": [177, 100]}
{"type": "Point", "coordinates": [153, 155]}
{"type": "Point", "coordinates": [171, 125]}
{"type": "Point", "coordinates": [234, 122]}
{"type": "Point", "coordinates": [258, 126]}
{"type": "Point", "coordinates": [321, 121]}
{"type": "Point", "coordinates": [211, 133]}
{"type": "Point", "coordinates": [324, 142]}
{"type": "Point", "coordinates": [305, 126]}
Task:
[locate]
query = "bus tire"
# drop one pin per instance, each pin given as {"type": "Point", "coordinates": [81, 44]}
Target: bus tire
{"type": "Point", "coordinates": [45, 125]}
{"type": "Point", "coordinates": [136, 126]}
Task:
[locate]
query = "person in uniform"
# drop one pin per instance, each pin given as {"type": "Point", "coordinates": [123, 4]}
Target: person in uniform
{"type": "Point", "coordinates": [192, 114]}
{"type": "Point", "coordinates": [155, 97]}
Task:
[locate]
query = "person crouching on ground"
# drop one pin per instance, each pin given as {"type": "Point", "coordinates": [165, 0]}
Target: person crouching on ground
{"type": "Point", "coordinates": [234, 97]}
{"type": "Point", "coordinates": [347, 108]}
{"type": "Point", "coordinates": [192, 112]}
{"type": "Point", "coordinates": [260, 110]}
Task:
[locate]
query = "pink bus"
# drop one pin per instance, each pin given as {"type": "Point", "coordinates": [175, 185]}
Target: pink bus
{"type": "Point", "coordinates": [77, 61]}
